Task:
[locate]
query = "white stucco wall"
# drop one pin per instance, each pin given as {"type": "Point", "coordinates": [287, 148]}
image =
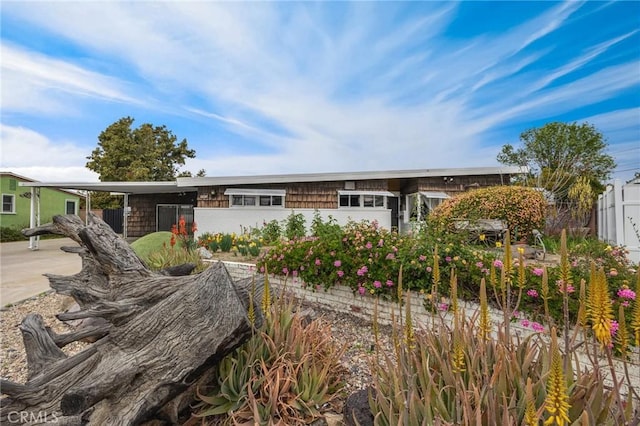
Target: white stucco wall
{"type": "Point", "coordinates": [234, 219]}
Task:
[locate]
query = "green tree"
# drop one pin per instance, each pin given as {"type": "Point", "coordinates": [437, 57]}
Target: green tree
{"type": "Point", "coordinates": [146, 153]}
{"type": "Point", "coordinates": [557, 154]}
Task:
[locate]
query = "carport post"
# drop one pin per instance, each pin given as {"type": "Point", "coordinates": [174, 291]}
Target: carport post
{"type": "Point", "coordinates": [34, 219]}
{"type": "Point", "coordinates": [126, 215]}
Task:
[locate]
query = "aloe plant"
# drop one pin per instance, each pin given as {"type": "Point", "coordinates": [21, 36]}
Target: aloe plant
{"type": "Point", "coordinates": [453, 373]}
{"type": "Point", "coordinates": [283, 375]}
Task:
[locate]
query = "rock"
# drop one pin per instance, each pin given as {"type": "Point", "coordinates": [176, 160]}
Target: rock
{"type": "Point", "coordinates": [204, 253]}
{"type": "Point", "coordinates": [356, 409]}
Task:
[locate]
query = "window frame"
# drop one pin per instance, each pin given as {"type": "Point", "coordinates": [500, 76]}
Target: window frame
{"type": "Point", "coordinates": [66, 206]}
{"type": "Point", "coordinates": [256, 198]}
{"type": "Point", "coordinates": [13, 204]}
{"type": "Point", "coordinates": [348, 199]}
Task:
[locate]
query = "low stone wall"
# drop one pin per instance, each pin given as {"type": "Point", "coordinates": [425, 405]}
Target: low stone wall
{"type": "Point", "coordinates": [342, 299]}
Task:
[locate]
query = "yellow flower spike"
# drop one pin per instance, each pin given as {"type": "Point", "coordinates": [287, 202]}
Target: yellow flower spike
{"type": "Point", "coordinates": [493, 280]}
{"type": "Point", "coordinates": [565, 267]}
{"type": "Point", "coordinates": [400, 285]}
{"type": "Point", "coordinates": [454, 294]}
{"type": "Point", "coordinates": [582, 307]}
{"type": "Point", "coordinates": [522, 278]}
{"type": "Point", "coordinates": [599, 308]}
{"type": "Point", "coordinates": [530, 413]}
{"type": "Point", "coordinates": [251, 312]}
{"type": "Point", "coordinates": [458, 361]}
{"type": "Point", "coordinates": [266, 295]}
{"type": "Point", "coordinates": [485, 324]}
{"type": "Point", "coordinates": [409, 336]}
{"type": "Point", "coordinates": [557, 401]}
{"type": "Point", "coordinates": [622, 337]}
{"type": "Point", "coordinates": [635, 316]}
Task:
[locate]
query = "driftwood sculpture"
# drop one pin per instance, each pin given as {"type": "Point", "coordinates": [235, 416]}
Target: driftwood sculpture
{"type": "Point", "coordinates": [162, 334]}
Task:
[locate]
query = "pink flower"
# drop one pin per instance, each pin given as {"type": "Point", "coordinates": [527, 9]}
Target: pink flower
{"type": "Point", "coordinates": [480, 265]}
{"type": "Point", "coordinates": [613, 272]}
{"type": "Point", "coordinates": [422, 258]}
{"type": "Point", "coordinates": [614, 327]}
{"type": "Point", "coordinates": [369, 245]}
{"type": "Point", "coordinates": [532, 293]}
{"type": "Point", "coordinates": [570, 288]}
{"type": "Point", "coordinates": [627, 293]}
{"type": "Point", "coordinates": [318, 262]}
{"type": "Point", "coordinates": [285, 271]}
{"type": "Point", "coordinates": [391, 256]}
{"type": "Point", "coordinates": [429, 269]}
{"type": "Point", "coordinates": [497, 264]}
{"type": "Point", "coordinates": [362, 271]}
{"type": "Point", "coordinates": [380, 243]}
{"type": "Point", "coordinates": [537, 272]}
{"type": "Point", "coordinates": [337, 263]}
{"type": "Point", "coordinates": [340, 273]}
{"type": "Point", "coordinates": [525, 323]}
{"type": "Point", "coordinates": [295, 273]}
{"type": "Point", "coordinates": [377, 284]}
{"type": "Point", "coordinates": [361, 290]}
{"type": "Point", "coordinates": [537, 327]}
{"type": "Point", "coordinates": [443, 306]}
{"type": "Point", "coordinates": [389, 283]}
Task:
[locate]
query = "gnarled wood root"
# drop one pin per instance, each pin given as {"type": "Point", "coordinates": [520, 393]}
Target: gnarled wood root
{"type": "Point", "coordinates": [162, 333]}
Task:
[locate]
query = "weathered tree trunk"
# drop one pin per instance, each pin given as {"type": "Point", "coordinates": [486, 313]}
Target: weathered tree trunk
{"type": "Point", "coordinates": [163, 333]}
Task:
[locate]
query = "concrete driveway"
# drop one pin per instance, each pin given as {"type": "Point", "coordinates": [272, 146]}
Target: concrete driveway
{"type": "Point", "coordinates": [21, 269]}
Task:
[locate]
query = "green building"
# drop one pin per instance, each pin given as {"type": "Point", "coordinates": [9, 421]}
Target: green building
{"type": "Point", "coordinates": [16, 202]}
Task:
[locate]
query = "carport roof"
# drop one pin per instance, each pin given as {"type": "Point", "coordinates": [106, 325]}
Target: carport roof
{"type": "Point", "coordinates": [117, 187]}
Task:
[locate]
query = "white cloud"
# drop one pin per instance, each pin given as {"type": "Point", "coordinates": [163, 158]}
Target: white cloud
{"type": "Point", "coordinates": [33, 155]}
{"type": "Point", "coordinates": [33, 82]}
{"type": "Point", "coordinates": [322, 94]}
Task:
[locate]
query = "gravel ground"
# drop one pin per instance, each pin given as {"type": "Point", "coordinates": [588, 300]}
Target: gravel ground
{"type": "Point", "coordinates": [347, 330]}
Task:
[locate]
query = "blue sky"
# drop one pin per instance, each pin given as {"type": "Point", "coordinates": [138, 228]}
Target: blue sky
{"type": "Point", "coordinates": [302, 87]}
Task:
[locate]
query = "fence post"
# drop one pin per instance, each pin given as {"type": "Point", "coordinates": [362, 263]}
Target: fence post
{"type": "Point", "coordinates": [618, 212]}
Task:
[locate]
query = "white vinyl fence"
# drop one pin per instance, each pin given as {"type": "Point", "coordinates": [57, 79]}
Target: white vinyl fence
{"type": "Point", "coordinates": [619, 216]}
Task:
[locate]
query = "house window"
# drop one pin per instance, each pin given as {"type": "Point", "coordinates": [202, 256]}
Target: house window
{"type": "Point", "coordinates": [255, 197]}
{"type": "Point", "coordinates": [13, 185]}
{"type": "Point", "coordinates": [70, 207]}
{"type": "Point", "coordinates": [367, 199]}
{"type": "Point", "coordinates": [8, 203]}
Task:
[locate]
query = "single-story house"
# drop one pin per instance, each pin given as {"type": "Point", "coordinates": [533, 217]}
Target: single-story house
{"type": "Point", "coordinates": [17, 202]}
{"type": "Point", "coordinates": [235, 203]}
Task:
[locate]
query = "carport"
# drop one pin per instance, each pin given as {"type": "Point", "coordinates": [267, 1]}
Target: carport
{"type": "Point", "coordinates": [114, 188]}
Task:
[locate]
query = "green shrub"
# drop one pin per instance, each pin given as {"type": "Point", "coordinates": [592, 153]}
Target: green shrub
{"type": "Point", "coordinates": [271, 232]}
{"type": "Point", "coordinates": [295, 226]}
{"type": "Point", "coordinates": [8, 234]}
{"type": "Point", "coordinates": [522, 208]}
{"type": "Point", "coordinates": [226, 243]}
